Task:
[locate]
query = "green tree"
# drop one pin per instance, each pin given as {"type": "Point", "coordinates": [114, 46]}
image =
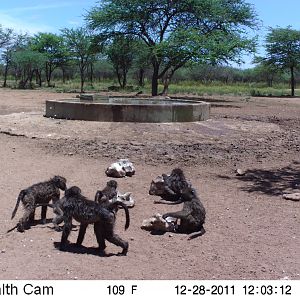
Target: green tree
{"type": "Point", "coordinates": [17, 42]}
{"type": "Point", "coordinates": [26, 63]}
{"type": "Point", "coordinates": [52, 46]}
{"type": "Point", "coordinates": [81, 49]}
{"type": "Point", "coordinates": [177, 32]}
{"type": "Point", "coordinates": [121, 53]}
{"type": "Point", "coordinates": [283, 51]}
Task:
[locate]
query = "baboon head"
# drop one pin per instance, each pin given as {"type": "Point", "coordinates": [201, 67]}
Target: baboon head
{"type": "Point", "coordinates": [188, 193]}
{"type": "Point", "coordinates": [157, 186]}
{"type": "Point", "coordinates": [112, 184]}
{"type": "Point", "coordinates": [178, 172]}
{"type": "Point", "coordinates": [72, 191]}
{"type": "Point", "coordinates": [60, 182]}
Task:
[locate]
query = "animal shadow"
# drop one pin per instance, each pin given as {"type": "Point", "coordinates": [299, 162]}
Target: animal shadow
{"type": "Point", "coordinates": [79, 249]}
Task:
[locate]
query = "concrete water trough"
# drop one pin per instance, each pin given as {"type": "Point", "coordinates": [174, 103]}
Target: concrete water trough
{"type": "Point", "coordinates": [121, 109]}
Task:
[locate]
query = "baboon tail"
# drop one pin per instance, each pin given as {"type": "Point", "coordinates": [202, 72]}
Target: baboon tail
{"type": "Point", "coordinates": [196, 234]}
{"type": "Point", "coordinates": [120, 203]}
{"type": "Point", "coordinates": [20, 197]}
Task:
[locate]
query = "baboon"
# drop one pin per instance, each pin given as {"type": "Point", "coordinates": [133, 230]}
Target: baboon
{"type": "Point", "coordinates": [39, 193]}
{"type": "Point", "coordinates": [169, 187]}
{"type": "Point", "coordinates": [192, 215]}
{"type": "Point", "coordinates": [109, 192]}
{"type": "Point", "coordinates": [57, 206]}
{"type": "Point", "coordinates": [88, 212]}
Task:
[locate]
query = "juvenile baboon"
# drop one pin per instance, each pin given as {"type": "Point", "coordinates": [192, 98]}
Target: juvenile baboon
{"type": "Point", "coordinates": [88, 212]}
{"type": "Point", "coordinates": [192, 215]}
{"type": "Point", "coordinates": [169, 187]}
{"type": "Point", "coordinates": [109, 192]}
{"type": "Point", "coordinates": [57, 206]}
{"type": "Point", "coordinates": [39, 193]}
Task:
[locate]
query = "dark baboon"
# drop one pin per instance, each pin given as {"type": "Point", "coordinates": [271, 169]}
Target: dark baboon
{"type": "Point", "coordinates": [169, 187]}
{"type": "Point", "coordinates": [192, 215]}
{"type": "Point", "coordinates": [109, 192]}
{"type": "Point", "coordinates": [88, 212]}
{"type": "Point", "coordinates": [40, 193]}
{"type": "Point", "coordinates": [57, 206]}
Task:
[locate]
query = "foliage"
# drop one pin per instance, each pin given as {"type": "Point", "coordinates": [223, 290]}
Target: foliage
{"type": "Point", "coordinates": [26, 62]}
{"type": "Point", "coordinates": [177, 32]}
{"type": "Point", "coordinates": [283, 51]}
{"type": "Point", "coordinates": [121, 53]}
{"type": "Point", "coordinates": [80, 47]}
{"type": "Point", "coordinates": [53, 47]}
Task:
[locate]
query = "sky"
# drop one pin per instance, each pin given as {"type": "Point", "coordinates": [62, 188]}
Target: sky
{"type": "Point", "coordinates": [34, 16]}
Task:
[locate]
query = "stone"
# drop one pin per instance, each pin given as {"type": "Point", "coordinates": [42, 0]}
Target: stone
{"type": "Point", "coordinates": [293, 196]}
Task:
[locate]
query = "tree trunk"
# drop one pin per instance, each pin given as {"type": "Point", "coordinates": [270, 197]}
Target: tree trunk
{"type": "Point", "coordinates": [5, 75]}
{"type": "Point", "coordinates": [141, 77]}
{"type": "Point", "coordinates": [292, 82]}
{"type": "Point", "coordinates": [155, 79]}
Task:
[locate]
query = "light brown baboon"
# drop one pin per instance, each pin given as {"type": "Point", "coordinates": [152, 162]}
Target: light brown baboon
{"type": "Point", "coordinates": [40, 193]}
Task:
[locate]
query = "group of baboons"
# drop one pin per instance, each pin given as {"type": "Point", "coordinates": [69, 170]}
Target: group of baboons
{"type": "Point", "coordinates": [101, 212]}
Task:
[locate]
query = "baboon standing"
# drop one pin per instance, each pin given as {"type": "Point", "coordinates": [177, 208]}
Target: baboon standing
{"type": "Point", "coordinates": [39, 193]}
{"type": "Point", "coordinates": [88, 212]}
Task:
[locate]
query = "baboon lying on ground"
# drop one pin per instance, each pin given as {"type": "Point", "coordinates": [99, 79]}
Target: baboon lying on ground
{"type": "Point", "coordinates": [88, 212]}
{"type": "Point", "coordinates": [192, 215]}
{"type": "Point", "coordinates": [169, 187]}
{"type": "Point", "coordinates": [40, 193]}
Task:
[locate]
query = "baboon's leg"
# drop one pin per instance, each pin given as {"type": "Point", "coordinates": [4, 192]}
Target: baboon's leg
{"type": "Point", "coordinates": [98, 230]}
{"type": "Point", "coordinates": [81, 233]}
{"type": "Point", "coordinates": [44, 214]}
{"type": "Point", "coordinates": [115, 239]}
{"type": "Point", "coordinates": [31, 217]}
{"type": "Point", "coordinates": [23, 222]}
{"type": "Point", "coordinates": [66, 233]}
{"type": "Point", "coordinates": [59, 217]}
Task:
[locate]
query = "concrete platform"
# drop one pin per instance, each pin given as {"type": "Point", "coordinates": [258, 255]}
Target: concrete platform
{"type": "Point", "coordinates": [141, 110]}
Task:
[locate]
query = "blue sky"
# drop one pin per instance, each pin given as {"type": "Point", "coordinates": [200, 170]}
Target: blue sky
{"type": "Point", "coordinates": [34, 16]}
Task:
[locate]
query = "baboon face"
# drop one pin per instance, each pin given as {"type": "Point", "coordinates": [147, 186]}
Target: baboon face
{"type": "Point", "coordinates": [60, 182]}
{"type": "Point", "coordinates": [157, 186]}
{"type": "Point", "coordinates": [112, 184]}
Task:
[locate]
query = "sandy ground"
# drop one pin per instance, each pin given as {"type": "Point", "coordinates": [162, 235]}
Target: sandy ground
{"type": "Point", "coordinates": [251, 231]}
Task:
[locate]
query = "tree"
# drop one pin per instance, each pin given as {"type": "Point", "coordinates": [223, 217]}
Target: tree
{"type": "Point", "coordinates": [283, 51]}
{"type": "Point", "coordinates": [80, 47]}
{"type": "Point", "coordinates": [5, 36]}
{"type": "Point", "coordinates": [17, 42]}
{"type": "Point", "coordinates": [121, 53]}
{"type": "Point", "coordinates": [26, 63]}
{"type": "Point", "coordinates": [52, 46]}
{"type": "Point", "coordinates": [177, 32]}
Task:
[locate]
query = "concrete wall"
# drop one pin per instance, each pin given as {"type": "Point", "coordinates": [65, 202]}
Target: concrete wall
{"type": "Point", "coordinates": [144, 113]}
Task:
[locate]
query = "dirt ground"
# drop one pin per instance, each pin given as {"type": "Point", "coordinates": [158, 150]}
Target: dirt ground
{"type": "Point", "coordinates": [251, 231]}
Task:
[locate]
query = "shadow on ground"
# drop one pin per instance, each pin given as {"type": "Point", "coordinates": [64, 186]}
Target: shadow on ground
{"type": "Point", "coordinates": [271, 182]}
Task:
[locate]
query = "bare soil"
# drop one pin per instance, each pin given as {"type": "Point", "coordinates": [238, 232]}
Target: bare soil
{"type": "Point", "coordinates": [251, 231]}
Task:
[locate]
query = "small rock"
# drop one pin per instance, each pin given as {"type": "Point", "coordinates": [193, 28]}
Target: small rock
{"type": "Point", "coordinates": [240, 172]}
{"type": "Point", "coordinates": [3, 251]}
{"type": "Point", "coordinates": [293, 197]}
{"type": "Point", "coordinates": [170, 235]}
{"type": "Point", "coordinates": [70, 153]}
{"type": "Point", "coordinates": [132, 239]}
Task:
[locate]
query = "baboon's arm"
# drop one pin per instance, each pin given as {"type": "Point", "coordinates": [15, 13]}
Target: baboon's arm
{"type": "Point", "coordinates": [177, 214]}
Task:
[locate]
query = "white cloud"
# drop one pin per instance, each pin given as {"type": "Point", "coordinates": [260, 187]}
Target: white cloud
{"type": "Point", "coordinates": [20, 25]}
